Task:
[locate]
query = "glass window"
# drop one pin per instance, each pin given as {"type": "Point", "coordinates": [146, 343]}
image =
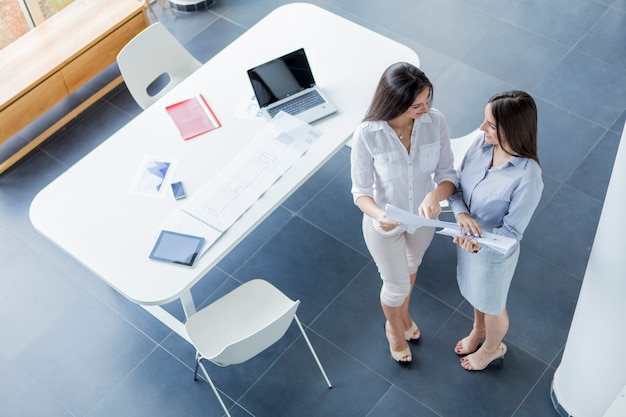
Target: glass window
{"type": "Point", "coordinates": [19, 16]}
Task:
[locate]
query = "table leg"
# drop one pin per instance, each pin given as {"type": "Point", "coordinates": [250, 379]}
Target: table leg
{"type": "Point", "coordinates": [188, 305]}
{"type": "Point", "coordinates": [170, 321]}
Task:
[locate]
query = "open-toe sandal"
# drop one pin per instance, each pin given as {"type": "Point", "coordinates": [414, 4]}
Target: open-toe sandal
{"type": "Point", "coordinates": [398, 355]}
{"type": "Point", "coordinates": [465, 349]}
{"type": "Point", "coordinates": [408, 335]}
{"type": "Point", "coordinates": [469, 358]}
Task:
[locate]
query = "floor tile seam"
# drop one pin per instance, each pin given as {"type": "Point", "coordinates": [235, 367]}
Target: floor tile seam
{"type": "Point", "coordinates": [45, 152]}
{"type": "Point", "coordinates": [600, 59]}
{"type": "Point", "coordinates": [326, 184]}
{"type": "Point", "coordinates": [92, 293]}
{"type": "Point", "coordinates": [508, 341]}
{"type": "Point", "coordinates": [554, 364]}
{"type": "Point", "coordinates": [214, 293]}
{"type": "Point", "coordinates": [530, 391]}
{"type": "Point", "coordinates": [12, 363]}
{"type": "Point", "coordinates": [105, 396]}
{"type": "Point", "coordinates": [616, 7]}
{"type": "Point", "coordinates": [354, 278]}
{"type": "Point", "coordinates": [564, 182]}
{"type": "Point", "coordinates": [309, 327]}
{"type": "Point", "coordinates": [71, 124]}
{"type": "Point", "coordinates": [357, 19]}
{"type": "Point", "coordinates": [115, 93]}
{"type": "Point", "coordinates": [259, 247]}
{"type": "Point", "coordinates": [547, 364]}
{"type": "Point", "coordinates": [597, 23]}
{"type": "Point", "coordinates": [230, 20]}
{"type": "Point", "coordinates": [591, 149]}
{"type": "Point", "coordinates": [432, 410]}
{"type": "Point", "coordinates": [338, 239]}
{"type": "Point", "coordinates": [269, 366]}
{"type": "Point", "coordinates": [556, 266]}
{"type": "Point", "coordinates": [26, 245]}
{"type": "Point", "coordinates": [439, 299]}
{"type": "Point", "coordinates": [556, 41]}
{"type": "Point", "coordinates": [42, 336]}
{"type": "Point", "coordinates": [69, 313]}
{"type": "Point", "coordinates": [572, 187]}
{"type": "Point", "coordinates": [536, 95]}
{"type": "Point", "coordinates": [200, 375]}
{"type": "Point", "coordinates": [32, 154]}
{"type": "Point", "coordinates": [354, 358]}
{"type": "Point", "coordinates": [216, 17]}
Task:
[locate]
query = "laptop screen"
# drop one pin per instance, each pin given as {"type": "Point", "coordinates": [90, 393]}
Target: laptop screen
{"type": "Point", "coordinates": [281, 77]}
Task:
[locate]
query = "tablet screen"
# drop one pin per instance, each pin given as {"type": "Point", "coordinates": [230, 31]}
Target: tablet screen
{"type": "Point", "coordinates": [177, 248]}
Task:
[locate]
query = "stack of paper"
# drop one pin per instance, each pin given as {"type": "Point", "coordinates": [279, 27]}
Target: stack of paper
{"type": "Point", "coordinates": [218, 205]}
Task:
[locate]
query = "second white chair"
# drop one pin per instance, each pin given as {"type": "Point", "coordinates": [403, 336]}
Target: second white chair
{"type": "Point", "coordinates": [242, 324]}
{"type": "Point", "coordinates": [154, 59]}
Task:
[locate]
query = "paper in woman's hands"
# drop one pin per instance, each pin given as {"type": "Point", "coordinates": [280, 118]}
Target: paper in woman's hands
{"type": "Point", "coordinates": [405, 217]}
{"type": "Point", "coordinates": [502, 244]}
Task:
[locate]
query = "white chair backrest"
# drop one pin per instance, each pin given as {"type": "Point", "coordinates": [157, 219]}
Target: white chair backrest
{"type": "Point", "coordinates": [460, 145]}
{"type": "Point", "coordinates": [242, 323]}
{"type": "Point", "coordinates": [147, 57]}
{"type": "Point", "coordinates": [254, 343]}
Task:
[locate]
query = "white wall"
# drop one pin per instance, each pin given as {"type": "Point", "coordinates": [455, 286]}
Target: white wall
{"type": "Point", "coordinates": [593, 370]}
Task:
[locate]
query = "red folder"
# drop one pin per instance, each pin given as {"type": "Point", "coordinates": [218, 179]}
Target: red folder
{"type": "Point", "coordinates": [193, 117]}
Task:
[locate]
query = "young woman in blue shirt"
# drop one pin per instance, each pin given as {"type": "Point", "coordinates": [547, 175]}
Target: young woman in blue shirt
{"type": "Point", "coordinates": [499, 189]}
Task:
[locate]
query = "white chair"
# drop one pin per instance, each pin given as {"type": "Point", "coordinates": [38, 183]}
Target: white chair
{"type": "Point", "coordinates": [459, 147]}
{"type": "Point", "coordinates": [154, 59]}
{"type": "Point", "coordinates": [242, 324]}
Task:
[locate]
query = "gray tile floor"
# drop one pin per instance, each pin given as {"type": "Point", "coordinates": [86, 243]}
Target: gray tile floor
{"type": "Point", "coordinates": [71, 346]}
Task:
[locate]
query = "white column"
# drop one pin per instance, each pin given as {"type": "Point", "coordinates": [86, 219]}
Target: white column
{"type": "Point", "coordinates": [593, 370]}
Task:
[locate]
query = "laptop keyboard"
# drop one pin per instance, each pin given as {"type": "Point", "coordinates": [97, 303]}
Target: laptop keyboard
{"type": "Point", "coordinates": [298, 104]}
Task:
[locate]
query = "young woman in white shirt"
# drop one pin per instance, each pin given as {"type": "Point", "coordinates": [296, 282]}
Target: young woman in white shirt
{"type": "Point", "coordinates": [400, 155]}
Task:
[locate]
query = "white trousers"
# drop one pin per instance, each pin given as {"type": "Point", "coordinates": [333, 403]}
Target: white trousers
{"type": "Point", "coordinates": [397, 256]}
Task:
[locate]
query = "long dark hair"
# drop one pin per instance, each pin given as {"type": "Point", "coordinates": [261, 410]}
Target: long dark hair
{"type": "Point", "coordinates": [397, 89]}
{"type": "Point", "coordinates": [515, 113]}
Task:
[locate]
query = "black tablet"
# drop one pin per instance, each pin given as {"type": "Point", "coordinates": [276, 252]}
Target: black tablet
{"type": "Point", "coordinates": [177, 248]}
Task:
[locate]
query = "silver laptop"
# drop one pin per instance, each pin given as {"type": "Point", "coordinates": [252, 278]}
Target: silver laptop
{"type": "Point", "coordinates": [287, 84]}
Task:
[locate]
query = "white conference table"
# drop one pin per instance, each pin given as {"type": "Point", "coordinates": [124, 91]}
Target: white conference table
{"type": "Point", "coordinates": [88, 211]}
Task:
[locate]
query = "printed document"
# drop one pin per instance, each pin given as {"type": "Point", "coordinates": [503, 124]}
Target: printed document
{"type": "Point", "coordinates": [502, 244]}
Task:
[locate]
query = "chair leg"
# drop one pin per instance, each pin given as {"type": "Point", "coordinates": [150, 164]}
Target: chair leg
{"type": "Point", "coordinates": [195, 372]}
{"type": "Point", "coordinates": [206, 375]}
{"type": "Point", "coordinates": [308, 342]}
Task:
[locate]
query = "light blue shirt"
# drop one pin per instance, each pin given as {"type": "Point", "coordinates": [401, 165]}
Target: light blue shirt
{"type": "Point", "coordinates": [501, 199]}
{"type": "Point", "coordinates": [382, 169]}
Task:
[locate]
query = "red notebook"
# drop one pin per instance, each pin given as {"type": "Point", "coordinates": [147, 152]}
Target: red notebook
{"type": "Point", "coordinates": [193, 117]}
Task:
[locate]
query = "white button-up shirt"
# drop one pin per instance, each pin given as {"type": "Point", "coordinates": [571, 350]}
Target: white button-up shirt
{"type": "Point", "coordinates": [382, 169]}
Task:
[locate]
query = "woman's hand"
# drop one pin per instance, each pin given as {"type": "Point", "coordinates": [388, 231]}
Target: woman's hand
{"type": "Point", "coordinates": [468, 226]}
{"type": "Point", "coordinates": [384, 223]}
{"type": "Point", "coordinates": [430, 207]}
{"type": "Point", "coordinates": [467, 243]}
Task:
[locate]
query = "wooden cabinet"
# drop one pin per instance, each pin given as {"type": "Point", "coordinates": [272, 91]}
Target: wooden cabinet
{"type": "Point", "coordinates": [59, 56]}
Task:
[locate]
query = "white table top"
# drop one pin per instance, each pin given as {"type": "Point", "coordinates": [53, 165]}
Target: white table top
{"type": "Point", "coordinates": [88, 211]}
